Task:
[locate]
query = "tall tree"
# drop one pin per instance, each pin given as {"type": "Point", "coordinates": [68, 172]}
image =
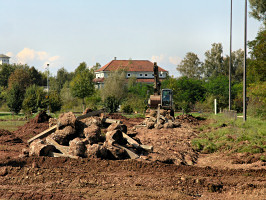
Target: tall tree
{"type": "Point", "coordinates": [35, 76]}
{"type": "Point", "coordinates": [237, 65]}
{"type": "Point", "coordinates": [20, 76]}
{"type": "Point", "coordinates": [190, 66]}
{"type": "Point", "coordinates": [258, 9]}
{"type": "Point", "coordinates": [15, 97]}
{"type": "Point", "coordinates": [5, 71]}
{"type": "Point", "coordinates": [213, 65]}
{"type": "Point", "coordinates": [62, 77]}
{"type": "Point", "coordinates": [115, 86]}
{"type": "Point", "coordinates": [82, 84]}
{"type": "Point", "coordinates": [257, 69]}
{"type": "Point", "coordinates": [96, 66]}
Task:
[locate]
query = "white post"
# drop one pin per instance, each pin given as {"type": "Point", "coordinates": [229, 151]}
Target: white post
{"type": "Point", "coordinates": [215, 106]}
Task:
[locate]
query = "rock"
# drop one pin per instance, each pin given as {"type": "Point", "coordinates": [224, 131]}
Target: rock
{"type": "Point", "coordinates": [150, 125]}
{"type": "Point", "coordinates": [114, 126]}
{"type": "Point", "coordinates": [163, 112]}
{"type": "Point", "coordinates": [115, 135]}
{"type": "Point", "coordinates": [67, 119]}
{"type": "Point", "coordinates": [158, 126]}
{"type": "Point", "coordinates": [92, 120]}
{"type": "Point", "coordinates": [3, 171]}
{"type": "Point", "coordinates": [24, 153]}
{"type": "Point", "coordinates": [39, 148]}
{"type": "Point", "coordinates": [77, 147]}
{"type": "Point", "coordinates": [153, 113]}
{"type": "Point", "coordinates": [92, 134]}
{"type": "Point", "coordinates": [96, 151]}
{"type": "Point", "coordinates": [63, 136]}
{"type": "Point", "coordinates": [52, 122]}
{"type": "Point", "coordinates": [169, 124]}
{"type": "Point", "coordinates": [176, 123]}
{"type": "Point", "coordinates": [87, 110]}
{"type": "Point", "coordinates": [152, 119]}
{"type": "Point", "coordinates": [115, 153]}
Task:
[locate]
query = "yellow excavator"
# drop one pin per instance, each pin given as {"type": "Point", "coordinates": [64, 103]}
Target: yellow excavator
{"type": "Point", "coordinates": [162, 99]}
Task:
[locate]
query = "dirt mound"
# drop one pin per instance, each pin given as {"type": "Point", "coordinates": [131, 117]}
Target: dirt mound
{"type": "Point", "coordinates": [41, 118]}
{"type": "Point", "coordinates": [188, 119]}
{"type": "Point", "coordinates": [116, 116]}
{"type": "Point", "coordinates": [31, 129]}
{"type": "Point", "coordinates": [7, 137]}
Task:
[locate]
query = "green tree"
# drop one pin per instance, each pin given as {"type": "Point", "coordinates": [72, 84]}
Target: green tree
{"type": "Point", "coordinates": [15, 97]}
{"type": "Point", "coordinates": [115, 86]}
{"type": "Point", "coordinates": [186, 91]}
{"type": "Point", "coordinates": [190, 66]}
{"type": "Point", "coordinates": [55, 101]}
{"type": "Point", "coordinates": [258, 9]}
{"type": "Point", "coordinates": [96, 66]}
{"type": "Point", "coordinates": [257, 63]}
{"type": "Point", "coordinates": [35, 76]}
{"type": "Point", "coordinates": [34, 99]}
{"type": "Point", "coordinates": [20, 76]}
{"type": "Point", "coordinates": [213, 64]}
{"type": "Point", "coordinates": [5, 71]}
{"type": "Point", "coordinates": [218, 88]}
{"type": "Point", "coordinates": [82, 84]}
{"type": "Point", "coordinates": [237, 65]}
{"type": "Point", "coordinates": [63, 76]}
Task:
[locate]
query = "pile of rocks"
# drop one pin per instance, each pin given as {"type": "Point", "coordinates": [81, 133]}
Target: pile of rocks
{"type": "Point", "coordinates": [163, 120]}
{"type": "Point", "coordinates": [74, 137]}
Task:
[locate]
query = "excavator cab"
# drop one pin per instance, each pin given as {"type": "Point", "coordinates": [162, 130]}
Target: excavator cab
{"type": "Point", "coordinates": [167, 99]}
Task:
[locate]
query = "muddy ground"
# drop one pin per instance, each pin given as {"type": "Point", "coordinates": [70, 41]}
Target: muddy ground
{"type": "Point", "coordinates": [172, 171]}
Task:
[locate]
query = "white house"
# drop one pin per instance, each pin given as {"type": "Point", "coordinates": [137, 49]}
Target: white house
{"type": "Point", "coordinates": [141, 69]}
{"type": "Point", "coordinates": [4, 59]}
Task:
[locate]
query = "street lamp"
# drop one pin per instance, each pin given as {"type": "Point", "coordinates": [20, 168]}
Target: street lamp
{"type": "Point", "coordinates": [230, 60]}
{"type": "Point", "coordinates": [48, 87]}
{"type": "Point", "coordinates": [245, 67]}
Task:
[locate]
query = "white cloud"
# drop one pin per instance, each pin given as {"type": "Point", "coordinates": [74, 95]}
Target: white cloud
{"type": "Point", "coordinates": [174, 60]}
{"type": "Point", "coordinates": [158, 59]}
{"type": "Point", "coordinates": [10, 54]}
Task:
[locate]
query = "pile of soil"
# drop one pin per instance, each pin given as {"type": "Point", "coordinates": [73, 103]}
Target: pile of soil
{"type": "Point", "coordinates": [188, 119]}
{"type": "Point", "coordinates": [33, 127]}
{"type": "Point", "coordinates": [7, 137]}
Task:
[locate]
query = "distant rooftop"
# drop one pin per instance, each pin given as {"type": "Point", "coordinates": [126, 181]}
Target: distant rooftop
{"type": "Point", "coordinates": [3, 56]}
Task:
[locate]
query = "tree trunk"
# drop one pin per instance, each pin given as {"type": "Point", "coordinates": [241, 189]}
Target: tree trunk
{"type": "Point", "coordinates": [83, 104]}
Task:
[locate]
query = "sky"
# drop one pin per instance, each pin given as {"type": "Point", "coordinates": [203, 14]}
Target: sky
{"type": "Point", "coordinates": [65, 33]}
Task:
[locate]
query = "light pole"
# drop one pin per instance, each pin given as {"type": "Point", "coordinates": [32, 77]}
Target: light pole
{"type": "Point", "coordinates": [48, 87]}
{"type": "Point", "coordinates": [230, 60]}
{"type": "Point", "coordinates": [245, 66]}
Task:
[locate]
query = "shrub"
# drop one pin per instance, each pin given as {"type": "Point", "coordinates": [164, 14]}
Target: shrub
{"type": "Point", "coordinates": [126, 108]}
{"type": "Point", "coordinates": [111, 104]}
{"type": "Point", "coordinates": [15, 97]}
{"type": "Point", "coordinates": [55, 101]}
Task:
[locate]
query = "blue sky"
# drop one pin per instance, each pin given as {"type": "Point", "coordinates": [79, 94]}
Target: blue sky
{"type": "Point", "coordinates": [65, 33]}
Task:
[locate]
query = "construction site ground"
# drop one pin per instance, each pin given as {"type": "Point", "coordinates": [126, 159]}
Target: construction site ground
{"type": "Point", "coordinates": [172, 171]}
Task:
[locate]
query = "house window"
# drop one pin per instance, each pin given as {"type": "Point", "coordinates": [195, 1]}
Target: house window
{"type": "Point", "coordinates": [140, 74]}
{"type": "Point", "coordinates": [128, 75]}
{"type": "Point", "coordinates": [161, 74]}
{"type": "Point", "coordinates": [146, 74]}
{"type": "Point", "coordinates": [152, 74]}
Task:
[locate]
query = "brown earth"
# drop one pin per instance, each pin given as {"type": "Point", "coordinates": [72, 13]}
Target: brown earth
{"type": "Point", "coordinates": [192, 176]}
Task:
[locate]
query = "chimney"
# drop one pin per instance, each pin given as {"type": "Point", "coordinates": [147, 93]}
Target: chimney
{"type": "Point", "coordinates": [114, 58]}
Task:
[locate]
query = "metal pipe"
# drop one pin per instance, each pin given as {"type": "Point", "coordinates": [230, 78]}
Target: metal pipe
{"type": "Point", "coordinates": [245, 66]}
{"type": "Point", "coordinates": [230, 60]}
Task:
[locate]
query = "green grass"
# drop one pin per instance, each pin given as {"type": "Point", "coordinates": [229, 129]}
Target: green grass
{"type": "Point", "coordinates": [224, 134]}
{"type": "Point", "coordinates": [11, 125]}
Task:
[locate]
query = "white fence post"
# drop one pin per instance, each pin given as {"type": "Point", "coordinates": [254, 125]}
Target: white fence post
{"type": "Point", "coordinates": [215, 106]}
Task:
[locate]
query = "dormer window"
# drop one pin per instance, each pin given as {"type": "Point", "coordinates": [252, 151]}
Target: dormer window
{"type": "Point", "coordinates": [140, 74]}
{"type": "Point", "coordinates": [128, 75]}
{"type": "Point", "coordinates": [146, 74]}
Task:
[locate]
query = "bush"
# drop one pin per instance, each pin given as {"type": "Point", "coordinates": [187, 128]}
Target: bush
{"type": "Point", "coordinates": [55, 101]}
{"type": "Point", "coordinates": [15, 98]}
{"type": "Point", "coordinates": [34, 99]}
{"type": "Point", "coordinates": [111, 104]}
{"type": "Point", "coordinates": [126, 108]}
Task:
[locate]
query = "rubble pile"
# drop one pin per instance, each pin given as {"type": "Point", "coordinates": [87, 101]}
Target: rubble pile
{"type": "Point", "coordinates": [83, 136]}
{"type": "Point", "coordinates": [163, 120]}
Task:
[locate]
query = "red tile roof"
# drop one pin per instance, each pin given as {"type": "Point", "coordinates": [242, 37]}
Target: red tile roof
{"type": "Point", "coordinates": [130, 66]}
{"type": "Point", "coordinates": [140, 80]}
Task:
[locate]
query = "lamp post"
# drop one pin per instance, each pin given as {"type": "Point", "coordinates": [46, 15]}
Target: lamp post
{"type": "Point", "coordinates": [48, 88]}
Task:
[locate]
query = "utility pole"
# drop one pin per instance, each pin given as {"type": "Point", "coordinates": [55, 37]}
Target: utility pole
{"type": "Point", "coordinates": [245, 66]}
{"type": "Point", "coordinates": [230, 60]}
{"type": "Point", "coordinates": [48, 111]}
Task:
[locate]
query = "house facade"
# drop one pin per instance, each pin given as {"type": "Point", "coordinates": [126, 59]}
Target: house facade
{"type": "Point", "coordinates": [4, 59]}
{"type": "Point", "coordinates": [141, 69]}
